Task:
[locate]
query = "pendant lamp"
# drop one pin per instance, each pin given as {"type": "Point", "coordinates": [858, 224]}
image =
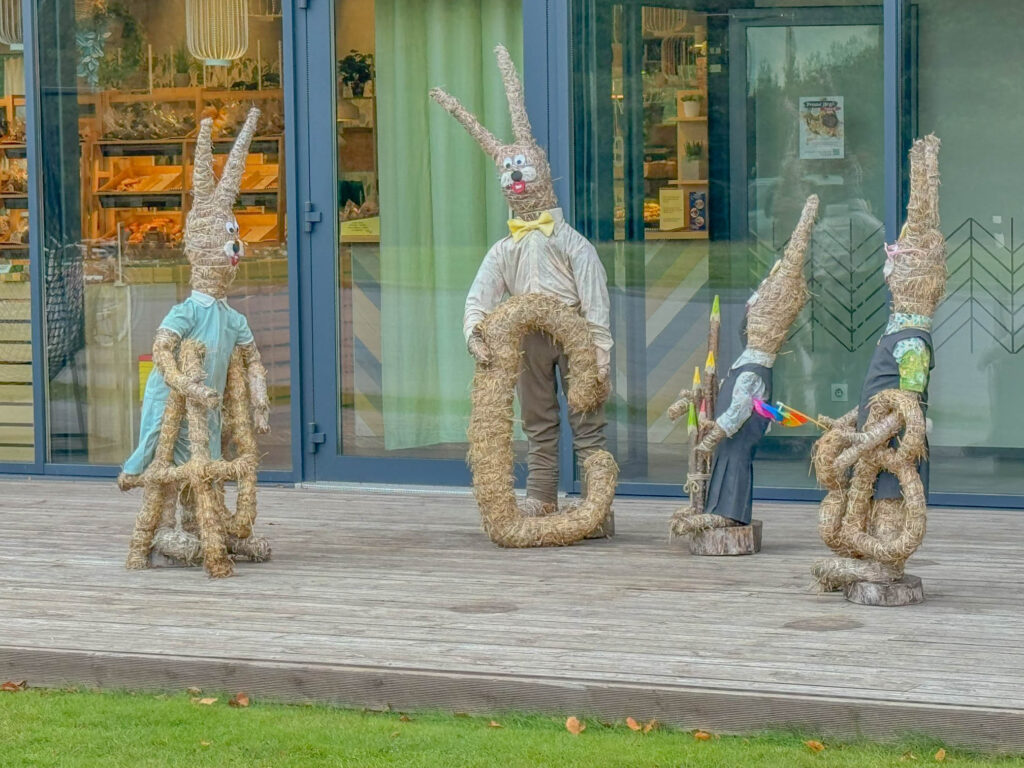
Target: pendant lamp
{"type": "Point", "coordinates": [10, 24]}
{"type": "Point", "coordinates": [216, 31]}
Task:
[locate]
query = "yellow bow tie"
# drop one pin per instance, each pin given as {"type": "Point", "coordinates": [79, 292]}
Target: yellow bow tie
{"type": "Point", "coordinates": [518, 228]}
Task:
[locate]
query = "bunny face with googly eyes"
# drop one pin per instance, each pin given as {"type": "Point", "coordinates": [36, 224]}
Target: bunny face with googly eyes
{"type": "Point", "coordinates": [525, 177]}
{"type": "Point", "coordinates": [234, 249]}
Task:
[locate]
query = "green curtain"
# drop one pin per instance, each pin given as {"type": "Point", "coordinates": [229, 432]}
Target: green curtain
{"type": "Point", "coordinates": [441, 207]}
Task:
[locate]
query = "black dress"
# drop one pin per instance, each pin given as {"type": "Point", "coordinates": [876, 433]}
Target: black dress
{"type": "Point", "coordinates": [884, 373]}
{"type": "Point", "coordinates": [731, 488]}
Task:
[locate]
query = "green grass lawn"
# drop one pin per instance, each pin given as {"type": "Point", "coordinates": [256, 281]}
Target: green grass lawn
{"type": "Point", "coordinates": [67, 728]}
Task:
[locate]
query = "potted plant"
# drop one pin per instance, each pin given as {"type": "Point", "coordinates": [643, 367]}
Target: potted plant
{"type": "Point", "coordinates": [691, 104]}
{"type": "Point", "coordinates": [691, 168]}
{"type": "Point", "coordinates": [182, 67]}
{"type": "Point", "coordinates": [355, 71]}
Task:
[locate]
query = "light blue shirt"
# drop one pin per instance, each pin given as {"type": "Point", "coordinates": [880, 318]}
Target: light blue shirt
{"type": "Point", "coordinates": [220, 328]}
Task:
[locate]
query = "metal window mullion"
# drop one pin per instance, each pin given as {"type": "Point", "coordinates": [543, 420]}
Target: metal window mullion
{"type": "Point", "coordinates": [892, 60]}
{"type": "Point", "coordinates": [33, 161]}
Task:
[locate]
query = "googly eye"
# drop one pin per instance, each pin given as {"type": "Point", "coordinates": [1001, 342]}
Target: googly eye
{"type": "Point", "coordinates": [520, 160]}
{"type": "Point", "coordinates": [507, 162]}
{"type": "Point", "coordinates": [232, 228]}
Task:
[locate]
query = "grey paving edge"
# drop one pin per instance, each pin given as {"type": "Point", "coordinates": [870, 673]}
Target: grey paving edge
{"type": "Point", "coordinates": [402, 689]}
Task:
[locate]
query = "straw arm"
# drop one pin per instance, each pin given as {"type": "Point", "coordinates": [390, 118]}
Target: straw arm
{"type": "Point", "coordinates": [874, 435]}
{"type": "Point", "coordinates": [846, 421]}
{"type": "Point", "coordinates": [711, 439]}
{"type": "Point", "coordinates": [679, 408]}
{"type": "Point", "coordinates": [165, 347]}
{"type": "Point", "coordinates": [256, 374]}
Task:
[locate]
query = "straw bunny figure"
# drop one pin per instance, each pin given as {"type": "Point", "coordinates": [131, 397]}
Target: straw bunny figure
{"type": "Point", "coordinates": [204, 354]}
{"type": "Point", "coordinates": [874, 518]}
{"type": "Point", "coordinates": [542, 254]}
{"type": "Point", "coordinates": [734, 434]}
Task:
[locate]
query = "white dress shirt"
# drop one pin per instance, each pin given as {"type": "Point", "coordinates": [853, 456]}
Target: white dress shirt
{"type": "Point", "coordinates": [748, 386]}
{"type": "Point", "coordinates": [564, 265]}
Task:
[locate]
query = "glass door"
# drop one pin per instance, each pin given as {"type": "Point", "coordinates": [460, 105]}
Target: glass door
{"type": "Point", "coordinates": [689, 178]}
{"type": "Point", "coordinates": [404, 206]}
{"type": "Point", "coordinates": [807, 100]}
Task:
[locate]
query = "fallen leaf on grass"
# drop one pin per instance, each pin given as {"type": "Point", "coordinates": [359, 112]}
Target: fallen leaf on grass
{"type": "Point", "coordinates": [238, 700]}
{"type": "Point", "coordinates": [702, 736]}
{"type": "Point", "coordinates": [14, 687]}
{"type": "Point", "coordinates": [495, 724]}
{"type": "Point", "coordinates": [204, 743]}
{"type": "Point", "coordinates": [815, 746]}
{"type": "Point", "coordinates": [394, 735]}
{"type": "Point", "coordinates": [632, 724]}
{"type": "Point", "coordinates": [405, 719]}
{"type": "Point", "coordinates": [940, 755]}
{"type": "Point", "coordinates": [650, 726]}
{"type": "Point", "coordinates": [194, 691]}
{"type": "Point", "coordinates": [908, 756]}
{"type": "Point", "coordinates": [206, 702]}
{"type": "Point", "coordinates": [574, 726]}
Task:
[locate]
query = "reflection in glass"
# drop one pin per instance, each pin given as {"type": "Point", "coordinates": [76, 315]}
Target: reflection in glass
{"type": "Point", "coordinates": [16, 401]}
{"type": "Point", "coordinates": [120, 98]}
{"type": "Point", "coordinates": [704, 181]}
{"type": "Point", "coordinates": [977, 442]}
{"type": "Point", "coordinates": [419, 205]}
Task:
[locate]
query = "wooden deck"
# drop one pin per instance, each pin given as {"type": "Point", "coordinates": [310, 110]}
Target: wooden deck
{"type": "Point", "coordinates": [398, 599]}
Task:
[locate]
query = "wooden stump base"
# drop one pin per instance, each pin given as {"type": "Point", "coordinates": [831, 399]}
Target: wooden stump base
{"type": "Point", "coordinates": [906, 591]}
{"type": "Point", "coordinates": [736, 540]}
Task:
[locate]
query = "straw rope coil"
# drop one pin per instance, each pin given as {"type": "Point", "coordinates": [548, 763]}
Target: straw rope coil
{"type": "Point", "coordinates": [873, 538]}
{"type": "Point", "coordinates": [491, 424]}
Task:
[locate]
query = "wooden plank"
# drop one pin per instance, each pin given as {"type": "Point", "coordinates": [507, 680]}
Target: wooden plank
{"type": "Point", "coordinates": [17, 453]}
{"type": "Point", "coordinates": [16, 414]}
{"type": "Point", "coordinates": [17, 373]}
{"type": "Point", "coordinates": [16, 435]}
{"type": "Point", "coordinates": [15, 331]}
{"type": "Point", "coordinates": [16, 393]}
{"type": "Point", "coordinates": [15, 352]}
{"type": "Point", "coordinates": [15, 292]}
{"type": "Point", "coordinates": [14, 309]}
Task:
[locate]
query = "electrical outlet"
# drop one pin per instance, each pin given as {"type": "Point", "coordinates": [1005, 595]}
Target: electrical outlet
{"type": "Point", "coordinates": [839, 393]}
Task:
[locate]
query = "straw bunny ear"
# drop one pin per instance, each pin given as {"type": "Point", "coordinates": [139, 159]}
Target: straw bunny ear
{"type": "Point", "coordinates": [931, 157]}
{"type": "Point", "coordinates": [454, 107]}
{"type": "Point", "coordinates": [203, 183]}
{"type": "Point", "coordinates": [793, 257]}
{"type": "Point", "coordinates": [923, 205]}
{"type": "Point", "coordinates": [514, 92]}
{"type": "Point", "coordinates": [231, 178]}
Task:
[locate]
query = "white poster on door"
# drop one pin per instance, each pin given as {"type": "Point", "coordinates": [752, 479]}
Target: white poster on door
{"type": "Point", "coordinates": [822, 125]}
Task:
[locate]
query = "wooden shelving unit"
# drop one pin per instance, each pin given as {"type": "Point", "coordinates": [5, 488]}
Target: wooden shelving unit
{"type": "Point", "coordinates": [676, 190]}
{"type": "Point", "coordinates": [139, 189]}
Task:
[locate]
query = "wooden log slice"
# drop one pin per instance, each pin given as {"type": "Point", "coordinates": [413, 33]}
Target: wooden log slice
{"type": "Point", "coordinates": [737, 540]}
{"type": "Point", "coordinates": [906, 591]}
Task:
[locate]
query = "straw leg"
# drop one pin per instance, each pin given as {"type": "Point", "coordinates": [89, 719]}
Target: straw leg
{"type": "Point", "coordinates": [145, 527]}
{"type": "Point", "coordinates": [211, 534]}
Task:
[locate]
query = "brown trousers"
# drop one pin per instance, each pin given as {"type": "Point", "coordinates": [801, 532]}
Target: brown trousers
{"type": "Point", "coordinates": [538, 401]}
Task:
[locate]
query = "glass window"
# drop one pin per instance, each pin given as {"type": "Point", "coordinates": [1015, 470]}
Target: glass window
{"type": "Point", "coordinates": [713, 150]}
{"type": "Point", "coordinates": [122, 88]}
{"type": "Point", "coordinates": [17, 441]}
{"type": "Point", "coordinates": [419, 205]}
{"type": "Point", "coordinates": [971, 102]}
